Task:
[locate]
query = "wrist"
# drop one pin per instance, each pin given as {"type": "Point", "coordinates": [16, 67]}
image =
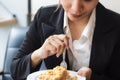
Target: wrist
{"type": "Point", "coordinates": [36, 57]}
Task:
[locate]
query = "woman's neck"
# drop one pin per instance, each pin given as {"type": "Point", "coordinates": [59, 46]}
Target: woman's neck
{"type": "Point", "coordinates": [77, 27]}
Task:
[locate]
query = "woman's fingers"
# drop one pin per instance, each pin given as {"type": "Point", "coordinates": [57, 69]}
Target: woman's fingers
{"type": "Point", "coordinates": [86, 72]}
{"type": "Point", "coordinates": [59, 45]}
{"type": "Point", "coordinates": [63, 38]}
{"type": "Point", "coordinates": [55, 44]}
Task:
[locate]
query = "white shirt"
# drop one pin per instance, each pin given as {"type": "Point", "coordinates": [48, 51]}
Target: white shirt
{"type": "Point", "coordinates": [79, 53]}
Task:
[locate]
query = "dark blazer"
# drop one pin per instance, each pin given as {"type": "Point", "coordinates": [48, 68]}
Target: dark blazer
{"type": "Point", "coordinates": [105, 52]}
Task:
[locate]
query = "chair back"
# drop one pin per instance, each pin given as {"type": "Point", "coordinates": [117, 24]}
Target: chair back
{"type": "Point", "coordinates": [15, 39]}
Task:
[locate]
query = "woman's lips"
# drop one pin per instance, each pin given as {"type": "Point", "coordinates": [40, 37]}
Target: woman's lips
{"type": "Point", "coordinates": [75, 15]}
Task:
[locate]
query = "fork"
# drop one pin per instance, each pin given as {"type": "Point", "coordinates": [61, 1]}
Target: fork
{"type": "Point", "coordinates": [63, 63]}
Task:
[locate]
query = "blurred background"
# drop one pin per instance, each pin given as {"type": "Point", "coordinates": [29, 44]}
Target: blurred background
{"type": "Point", "coordinates": [14, 13]}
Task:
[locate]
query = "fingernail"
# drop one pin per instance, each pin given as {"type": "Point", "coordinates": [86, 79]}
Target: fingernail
{"type": "Point", "coordinates": [57, 56]}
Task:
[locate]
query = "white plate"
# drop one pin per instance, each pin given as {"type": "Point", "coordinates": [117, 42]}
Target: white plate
{"type": "Point", "coordinates": [34, 76]}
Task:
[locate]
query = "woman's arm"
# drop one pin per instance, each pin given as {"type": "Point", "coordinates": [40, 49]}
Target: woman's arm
{"type": "Point", "coordinates": [21, 64]}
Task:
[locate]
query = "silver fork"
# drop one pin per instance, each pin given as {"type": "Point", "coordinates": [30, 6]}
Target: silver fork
{"type": "Point", "coordinates": [63, 63]}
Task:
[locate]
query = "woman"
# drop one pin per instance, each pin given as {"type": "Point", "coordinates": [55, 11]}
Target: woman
{"type": "Point", "coordinates": [89, 31]}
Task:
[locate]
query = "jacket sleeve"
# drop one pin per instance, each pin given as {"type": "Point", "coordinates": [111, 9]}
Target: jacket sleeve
{"type": "Point", "coordinates": [21, 64]}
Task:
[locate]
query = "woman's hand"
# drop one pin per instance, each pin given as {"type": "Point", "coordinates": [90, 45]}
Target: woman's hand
{"type": "Point", "coordinates": [53, 45]}
{"type": "Point", "coordinates": [86, 72]}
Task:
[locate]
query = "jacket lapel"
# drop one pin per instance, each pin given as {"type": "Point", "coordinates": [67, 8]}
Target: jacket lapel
{"type": "Point", "coordinates": [99, 56]}
{"type": "Point", "coordinates": [54, 24]}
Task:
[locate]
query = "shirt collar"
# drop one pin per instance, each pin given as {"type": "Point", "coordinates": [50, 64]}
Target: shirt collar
{"type": "Point", "coordinates": [89, 29]}
{"type": "Point", "coordinates": [65, 26]}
